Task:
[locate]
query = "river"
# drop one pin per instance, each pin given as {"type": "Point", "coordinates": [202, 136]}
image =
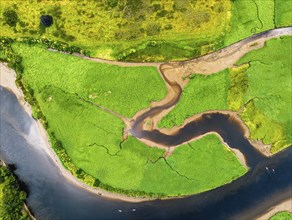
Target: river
{"type": "Point", "coordinates": [51, 196]}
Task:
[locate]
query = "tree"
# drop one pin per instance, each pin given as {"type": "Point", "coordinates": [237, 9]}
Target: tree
{"type": "Point", "coordinates": [10, 17]}
{"type": "Point", "coordinates": [46, 20]}
{"type": "Point", "coordinates": [111, 3]}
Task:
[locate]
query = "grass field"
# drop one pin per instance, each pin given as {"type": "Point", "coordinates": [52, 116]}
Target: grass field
{"type": "Point", "coordinates": [92, 138]}
{"type": "Point", "coordinates": [196, 167]}
{"type": "Point", "coordinates": [282, 216]}
{"type": "Point", "coordinates": [261, 83]}
{"type": "Point", "coordinates": [270, 103]}
{"type": "Point", "coordinates": [124, 29]}
{"type": "Point", "coordinates": [212, 89]}
{"type": "Point", "coordinates": [283, 16]}
{"type": "Point", "coordinates": [125, 90]}
{"type": "Point", "coordinates": [249, 17]}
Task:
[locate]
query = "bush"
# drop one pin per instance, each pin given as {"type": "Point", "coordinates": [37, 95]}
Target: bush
{"type": "Point", "coordinates": [168, 27]}
{"type": "Point", "coordinates": [46, 20]}
{"type": "Point", "coordinates": [161, 13]}
{"type": "Point", "coordinates": [111, 3]}
{"type": "Point", "coordinates": [12, 196]}
{"type": "Point", "coordinates": [10, 17]}
{"type": "Point", "coordinates": [153, 29]}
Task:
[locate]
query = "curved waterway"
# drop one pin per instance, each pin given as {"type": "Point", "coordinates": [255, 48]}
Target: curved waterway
{"type": "Point", "coordinates": [52, 196]}
{"type": "Point", "coordinates": [229, 128]}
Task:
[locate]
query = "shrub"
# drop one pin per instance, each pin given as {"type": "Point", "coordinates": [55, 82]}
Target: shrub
{"type": "Point", "coordinates": [156, 7]}
{"type": "Point", "coordinates": [111, 3]}
{"type": "Point", "coordinates": [46, 20]}
{"type": "Point", "coordinates": [12, 196]}
{"type": "Point", "coordinates": [153, 29]}
{"type": "Point", "coordinates": [168, 27]}
{"type": "Point", "coordinates": [10, 17]}
{"type": "Point", "coordinates": [161, 13]}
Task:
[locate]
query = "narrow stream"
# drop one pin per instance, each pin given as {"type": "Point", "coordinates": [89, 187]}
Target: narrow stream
{"type": "Point", "coordinates": [51, 196]}
{"type": "Point", "coordinates": [229, 129]}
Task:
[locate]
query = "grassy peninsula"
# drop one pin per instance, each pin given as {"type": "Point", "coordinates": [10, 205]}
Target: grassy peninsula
{"type": "Point", "coordinates": [89, 140]}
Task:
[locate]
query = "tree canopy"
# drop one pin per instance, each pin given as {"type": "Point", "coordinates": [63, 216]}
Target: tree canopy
{"type": "Point", "coordinates": [46, 20]}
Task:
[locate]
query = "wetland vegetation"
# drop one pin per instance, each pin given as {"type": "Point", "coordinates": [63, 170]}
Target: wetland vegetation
{"type": "Point", "coordinates": [125, 30]}
{"type": "Point", "coordinates": [141, 30]}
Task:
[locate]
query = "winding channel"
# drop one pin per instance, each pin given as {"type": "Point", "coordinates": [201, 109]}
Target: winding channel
{"type": "Point", "coordinates": [51, 196]}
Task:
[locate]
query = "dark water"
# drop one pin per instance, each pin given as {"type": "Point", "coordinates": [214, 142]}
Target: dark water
{"type": "Point", "coordinates": [227, 127]}
{"type": "Point", "coordinates": [51, 196]}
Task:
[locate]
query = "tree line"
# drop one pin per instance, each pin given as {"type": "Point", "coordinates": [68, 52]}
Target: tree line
{"type": "Point", "coordinates": [12, 197]}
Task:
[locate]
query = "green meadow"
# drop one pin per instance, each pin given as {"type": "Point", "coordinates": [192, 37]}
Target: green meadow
{"type": "Point", "coordinates": [259, 89]}
{"type": "Point", "coordinates": [89, 141]}
{"type": "Point", "coordinates": [283, 15]}
{"type": "Point", "coordinates": [124, 90]}
{"type": "Point", "coordinates": [202, 93]}
{"type": "Point", "coordinates": [282, 216]}
{"type": "Point", "coordinates": [268, 96]}
{"type": "Point", "coordinates": [249, 17]}
{"type": "Point", "coordinates": [198, 166]}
